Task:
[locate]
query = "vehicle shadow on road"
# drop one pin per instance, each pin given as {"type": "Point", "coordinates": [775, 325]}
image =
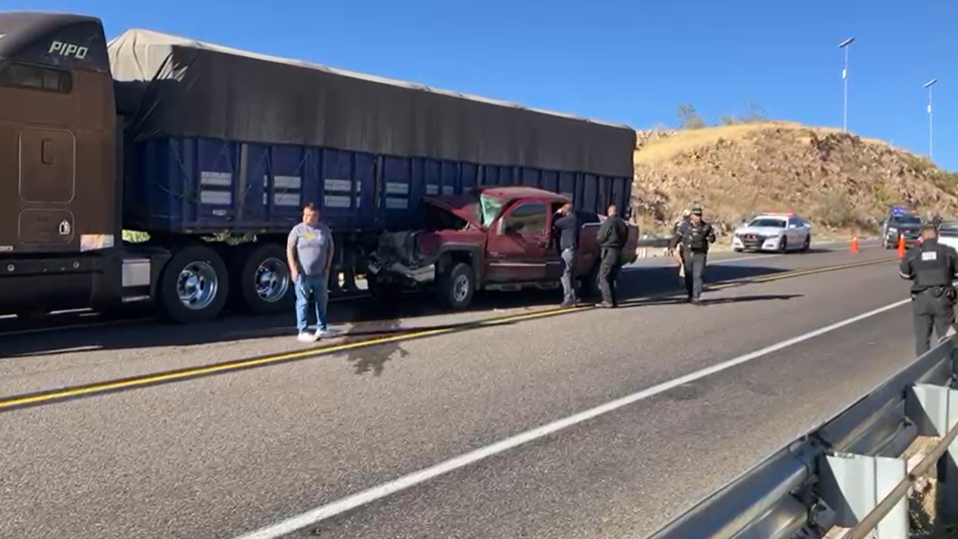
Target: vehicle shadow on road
{"type": "Point", "coordinates": [681, 300]}
{"type": "Point", "coordinates": [364, 319]}
{"type": "Point", "coordinates": [749, 299]}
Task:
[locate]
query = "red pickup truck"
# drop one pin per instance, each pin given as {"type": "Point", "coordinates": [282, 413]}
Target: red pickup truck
{"type": "Point", "coordinates": [498, 238]}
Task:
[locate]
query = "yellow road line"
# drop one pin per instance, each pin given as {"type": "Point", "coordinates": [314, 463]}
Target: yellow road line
{"type": "Point", "coordinates": [801, 273]}
{"type": "Point", "coordinates": [240, 364]}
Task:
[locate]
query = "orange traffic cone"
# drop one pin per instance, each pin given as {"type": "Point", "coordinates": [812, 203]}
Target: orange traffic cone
{"type": "Point", "coordinates": [854, 244]}
{"type": "Point", "coordinates": [901, 246]}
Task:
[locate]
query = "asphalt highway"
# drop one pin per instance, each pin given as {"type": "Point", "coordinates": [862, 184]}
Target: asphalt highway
{"type": "Point", "coordinates": [224, 455]}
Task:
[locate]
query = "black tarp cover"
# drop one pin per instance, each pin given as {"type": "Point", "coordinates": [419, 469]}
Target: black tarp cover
{"type": "Point", "coordinates": [172, 86]}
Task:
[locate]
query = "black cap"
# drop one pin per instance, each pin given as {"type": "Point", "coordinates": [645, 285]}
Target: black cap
{"type": "Point", "coordinates": [697, 210]}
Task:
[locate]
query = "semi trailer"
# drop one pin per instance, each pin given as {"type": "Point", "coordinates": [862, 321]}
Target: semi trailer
{"type": "Point", "coordinates": [212, 152]}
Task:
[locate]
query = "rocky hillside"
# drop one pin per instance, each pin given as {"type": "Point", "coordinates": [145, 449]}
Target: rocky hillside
{"type": "Point", "coordinates": [839, 182]}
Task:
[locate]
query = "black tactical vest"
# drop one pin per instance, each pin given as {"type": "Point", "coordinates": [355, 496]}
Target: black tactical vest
{"type": "Point", "coordinates": [931, 266]}
{"type": "Point", "coordinates": [697, 240]}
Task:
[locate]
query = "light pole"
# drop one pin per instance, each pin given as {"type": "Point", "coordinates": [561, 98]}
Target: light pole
{"type": "Point", "coordinates": [931, 124]}
{"type": "Point", "coordinates": [844, 47]}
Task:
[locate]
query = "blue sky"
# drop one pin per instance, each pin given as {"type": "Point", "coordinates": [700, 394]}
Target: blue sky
{"type": "Point", "coordinates": [628, 61]}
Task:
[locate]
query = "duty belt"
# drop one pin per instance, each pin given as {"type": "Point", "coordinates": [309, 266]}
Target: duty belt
{"type": "Point", "coordinates": [937, 291]}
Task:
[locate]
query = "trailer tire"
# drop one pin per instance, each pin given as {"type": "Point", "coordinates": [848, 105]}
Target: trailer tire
{"type": "Point", "coordinates": [204, 279]}
{"type": "Point", "coordinates": [589, 284]}
{"type": "Point", "coordinates": [457, 286]}
{"type": "Point", "coordinates": [383, 292]}
{"type": "Point", "coordinates": [264, 284]}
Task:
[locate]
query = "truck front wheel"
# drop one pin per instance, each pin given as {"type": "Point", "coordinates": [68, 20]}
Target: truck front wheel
{"type": "Point", "coordinates": [457, 286]}
{"type": "Point", "coordinates": [193, 286]}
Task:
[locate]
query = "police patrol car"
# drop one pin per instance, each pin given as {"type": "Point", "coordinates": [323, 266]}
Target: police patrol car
{"type": "Point", "coordinates": [773, 232]}
{"type": "Point", "coordinates": [948, 234]}
{"type": "Point", "coordinates": [901, 222]}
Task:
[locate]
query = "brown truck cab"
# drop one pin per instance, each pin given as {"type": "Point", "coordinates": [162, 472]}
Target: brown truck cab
{"type": "Point", "coordinates": [497, 238]}
{"type": "Point", "coordinates": [59, 206]}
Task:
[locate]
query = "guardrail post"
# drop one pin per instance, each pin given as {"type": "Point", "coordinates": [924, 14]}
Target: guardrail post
{"type": "Point", "coordinates": [939, 414]}
{"type": "Point", "coordinates": [948, 486]}
{"type": "Point", "coordinates": [853, 485]}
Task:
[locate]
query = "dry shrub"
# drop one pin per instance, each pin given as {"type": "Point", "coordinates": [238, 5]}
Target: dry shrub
{"type": "Point", "coordinates": [834, 209]}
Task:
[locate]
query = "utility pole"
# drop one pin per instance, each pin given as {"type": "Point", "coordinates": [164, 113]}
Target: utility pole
{"type": "Point", "coordinates": [931, 123]}
{"type": "Point", "coordinates": [844, 47]}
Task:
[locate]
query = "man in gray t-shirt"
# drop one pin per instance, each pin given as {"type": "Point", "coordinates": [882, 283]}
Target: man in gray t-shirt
{"type": "Point", "coordinates": [309, 252]}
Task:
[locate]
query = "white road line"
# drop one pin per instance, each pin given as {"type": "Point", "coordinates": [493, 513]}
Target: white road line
{"type": "Point", "coordinates": [413, 479]}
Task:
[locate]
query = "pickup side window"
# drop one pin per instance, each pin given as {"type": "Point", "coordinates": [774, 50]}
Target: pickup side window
{"type": "Point", "coordinates": [39, 78]}
{"type": "Point", "coordinates": [526, 218]}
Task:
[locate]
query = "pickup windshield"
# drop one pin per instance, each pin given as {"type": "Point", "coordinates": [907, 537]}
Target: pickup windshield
{"type": "Point", "coordinates": [489, 208]}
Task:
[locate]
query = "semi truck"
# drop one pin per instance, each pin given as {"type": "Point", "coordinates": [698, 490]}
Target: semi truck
{"type": "Point", "coordinates": [212, 152]}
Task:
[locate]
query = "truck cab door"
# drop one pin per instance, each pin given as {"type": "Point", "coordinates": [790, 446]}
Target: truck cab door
{"type": "Point", "coordinates": [518, 243]}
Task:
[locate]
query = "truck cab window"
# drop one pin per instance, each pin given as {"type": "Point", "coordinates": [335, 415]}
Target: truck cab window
{"type": "Point", "coordinates": [40, 78]}
{"type": "Point", "coordinates": [526, 218]}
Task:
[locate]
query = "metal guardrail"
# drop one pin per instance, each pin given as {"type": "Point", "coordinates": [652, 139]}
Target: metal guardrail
{"type": "Point", "coordinates": [847, 478]}
{"type": "Point", "coordinates": [653, 241]}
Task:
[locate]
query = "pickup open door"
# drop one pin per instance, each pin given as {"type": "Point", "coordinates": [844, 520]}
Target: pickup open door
{"type": "Point", "coordinates": [518, 243]}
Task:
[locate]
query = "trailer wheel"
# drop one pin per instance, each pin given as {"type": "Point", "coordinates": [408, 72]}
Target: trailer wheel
{"type": "Point", "coordinates": [264, 282]}
{"type": "Point", "coordinates": [589, 283]}
{"type": "Point", "coordinates": [382, 292]}
{"type": "Point", "coordinates": [457, 286]}
{"type": "Point", "coordinates": [193, 286]}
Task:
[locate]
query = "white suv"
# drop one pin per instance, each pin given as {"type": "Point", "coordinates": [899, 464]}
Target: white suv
{"type": "Point", "coordinates": [773, 232]}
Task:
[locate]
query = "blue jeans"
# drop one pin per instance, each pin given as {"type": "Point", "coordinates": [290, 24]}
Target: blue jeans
{"type": "Point", "coordinates": [318, 287]}
{"type": "Point", "coordinates": [568, 283]}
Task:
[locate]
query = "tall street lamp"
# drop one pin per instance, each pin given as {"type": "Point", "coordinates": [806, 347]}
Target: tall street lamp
{"type": "Point", "coordinates": [844, 47]}
{"type": "Point", "coordinates": [931, 123]}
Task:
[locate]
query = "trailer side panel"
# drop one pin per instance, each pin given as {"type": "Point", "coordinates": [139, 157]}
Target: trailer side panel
{"type": "Point", "coordinates": [366, 148]}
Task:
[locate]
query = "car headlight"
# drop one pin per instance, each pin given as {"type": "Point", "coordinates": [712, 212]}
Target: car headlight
{"type": "Point", "coordinates": [892, 230]}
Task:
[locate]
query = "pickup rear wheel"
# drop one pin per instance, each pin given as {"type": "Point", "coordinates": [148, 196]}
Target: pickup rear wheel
{"type": "Point", "coordinates": [457, 286]}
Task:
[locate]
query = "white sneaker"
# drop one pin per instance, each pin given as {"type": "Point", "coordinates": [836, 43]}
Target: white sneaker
{"type": "Point", "coordinates": [321, 333]}
{"type": "Point", "coordinates": [306, 337]}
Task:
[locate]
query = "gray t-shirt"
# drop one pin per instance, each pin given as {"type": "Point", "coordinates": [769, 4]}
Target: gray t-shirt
{"type": "Point", "coordinates": [311, 244]}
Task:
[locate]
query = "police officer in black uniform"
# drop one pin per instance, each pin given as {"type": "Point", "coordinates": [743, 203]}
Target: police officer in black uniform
{"type": "Point", "coordinates": [611, 239]}
{"type": "Point", "coordinates": [932, 268]}
{"type": "Point", "coordinates": [695, 236]}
